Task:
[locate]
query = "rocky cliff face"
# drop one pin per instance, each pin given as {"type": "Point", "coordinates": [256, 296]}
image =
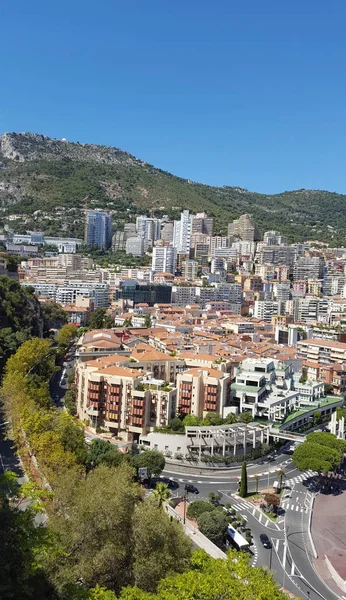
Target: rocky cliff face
{"type": "Point", "coordinates": [22, 147]}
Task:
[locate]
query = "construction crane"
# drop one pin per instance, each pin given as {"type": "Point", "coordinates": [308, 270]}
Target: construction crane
{"type": "Point", "coordinates": [85, 202]}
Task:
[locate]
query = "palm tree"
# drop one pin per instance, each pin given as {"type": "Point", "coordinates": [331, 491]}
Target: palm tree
{"type": "Point", "coordinates": [256, 478]}
{"type": "Point", "coordinates": [160, 494]}
{"type": "Point", "coordinates": [281, 474]}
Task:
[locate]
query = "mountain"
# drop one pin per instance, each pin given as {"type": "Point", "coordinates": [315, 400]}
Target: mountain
{"type": "Point", "coordinates": [43, 182]}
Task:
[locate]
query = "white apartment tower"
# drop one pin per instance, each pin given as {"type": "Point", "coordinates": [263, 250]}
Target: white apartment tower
{"type": "Point", "coordinates": [182, 233]}
{"type": "Point", "coordinates": [164, 259]}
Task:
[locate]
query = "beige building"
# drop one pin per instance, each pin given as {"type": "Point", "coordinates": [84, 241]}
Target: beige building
{"type": "Point", "coordinates": [122, 400]}
{"type": "Point", "coordinates": [323, 351]}
{"type": "Point", "coordinates": [202, 390]}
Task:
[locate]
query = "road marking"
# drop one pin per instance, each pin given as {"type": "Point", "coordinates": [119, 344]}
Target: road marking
{"type": "Point", "coordinates": [266, 523]}
{"type": "Point", "coordinates": [297, 508]}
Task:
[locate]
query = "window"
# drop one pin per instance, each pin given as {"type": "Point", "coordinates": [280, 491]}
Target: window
{"type": "Point", "coordinates": [166, 447]}
{"type": "Point", "coordinates": [178, 448]}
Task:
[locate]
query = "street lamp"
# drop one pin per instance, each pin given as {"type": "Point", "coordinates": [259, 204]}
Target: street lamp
{"type": "Point", "coordinates": [185, 498]}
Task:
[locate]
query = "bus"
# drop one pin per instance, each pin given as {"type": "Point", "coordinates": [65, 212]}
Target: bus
{"type": "Point", "coordinates": [234, 539]}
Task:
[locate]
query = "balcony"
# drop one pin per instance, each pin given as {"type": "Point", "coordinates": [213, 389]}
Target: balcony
{"type": "Point", "coordinates": [94, 412]}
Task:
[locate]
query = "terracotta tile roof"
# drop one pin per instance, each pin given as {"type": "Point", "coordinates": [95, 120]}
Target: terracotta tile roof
{"type": "Point", "coordinates": [119, 372]}
{"type": "Point", "coordinates": [326, 343]}
{"type": "Point", "coordinates": [210, 372]}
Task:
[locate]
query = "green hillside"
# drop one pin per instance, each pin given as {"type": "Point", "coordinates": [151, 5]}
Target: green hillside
{"type": "Point", "coordinates": [41, 174]}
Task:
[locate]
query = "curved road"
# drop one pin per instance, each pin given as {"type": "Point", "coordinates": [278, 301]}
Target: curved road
{"type": "Point", "coordinates": [290, 557]}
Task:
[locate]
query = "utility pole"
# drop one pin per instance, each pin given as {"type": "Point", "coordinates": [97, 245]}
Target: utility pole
{"type": "Point", "coordinates": [185, 499]}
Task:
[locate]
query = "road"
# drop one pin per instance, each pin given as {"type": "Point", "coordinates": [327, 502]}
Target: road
{"type": "Point", "coordinates": [290, 557]}
{"type": "Point", "coordinates": [58, 384]}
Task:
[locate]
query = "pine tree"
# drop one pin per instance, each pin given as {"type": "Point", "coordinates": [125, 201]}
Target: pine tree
{"type": "Point", "coordinates": [243, 481]}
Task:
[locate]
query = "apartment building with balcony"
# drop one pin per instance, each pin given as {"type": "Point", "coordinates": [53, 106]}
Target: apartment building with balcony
{"type": "Point", "coordinates": [332, 374]}
{"type": "Point", "coordinates": [122, 400]}
{"type": "Point", "coordinates": [202, 390]}
{"type": "Point", "coordinates": [323, 351]}
{"type": "Point", "coordinates": [268, 389]}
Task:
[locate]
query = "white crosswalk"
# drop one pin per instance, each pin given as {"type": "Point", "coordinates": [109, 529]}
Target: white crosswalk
{"type": "Point", "coordinates": [288, 505]}
{"type": "Point", "coordinates": [301, 477]}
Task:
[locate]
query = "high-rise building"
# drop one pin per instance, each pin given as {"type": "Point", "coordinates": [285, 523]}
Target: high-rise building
{"type": "Point", "coordinates": [182, 233]}
{"type": "Point", "coordinates": [167, 232]}
{"type": "Point", "coordinates": [190, 269]}
{"type": "Point", "coordinates": [138, 292]}
{"type": "Point", "coordinates": [201, 223]}
{"type": "Point", "coordinates": [164, 259]}
{"type": "Point", "coordinates": [308, 267]}
{"type": "Point", "coordinates": [98, 229]}
{"type": "Point", "coordinates": [135, 246]}
{"type": "Point", "coordinates": [149, 229]}
{"type": "Point", "coordinates": [118, 241]}
{"type": "Point", "coordinates": [274, 238]}
{"type": "Point", "coordinates": [202, 254]}
{"type": "Point", "coordinates": [244, 228]}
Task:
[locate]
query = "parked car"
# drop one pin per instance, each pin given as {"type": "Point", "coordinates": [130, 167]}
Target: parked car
{"type": "Point", "coordinates": [265, 540]}
{"type": "Point", "coordinates": [191, 489]}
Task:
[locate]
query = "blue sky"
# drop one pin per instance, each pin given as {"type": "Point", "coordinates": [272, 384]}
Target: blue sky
{"type": "Point", "coordinates": [227, 93]}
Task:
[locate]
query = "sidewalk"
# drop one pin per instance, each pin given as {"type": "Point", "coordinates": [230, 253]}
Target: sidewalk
{"type": "Point", "coordinates": [328, 530]}
{"type": "Point", "coordinates": [193, 533]}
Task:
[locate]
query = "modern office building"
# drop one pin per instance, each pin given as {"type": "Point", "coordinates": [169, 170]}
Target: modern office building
{"type": "Point", "coordinates": [98, 229]}
{"type": "Point", "coordinates": [137, 292]}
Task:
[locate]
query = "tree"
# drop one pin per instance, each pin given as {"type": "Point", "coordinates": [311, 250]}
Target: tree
{"type": "Point", "coordinates": [317, 418]}
{"type": "Point", "coordinates": [280, 474]}
{"type": "Point", "coordinates": [198, 507]}
{"type": "Point", "coordinates": [207, 578]}
{"type": "Point", "coordinates": [328, 389]}
{"type": "Point", "coordinates": [326, 439]}
{"type": "Point", "coordinates": [231, 418]}
{"type": "Point", "coordinates": [160, 494]}
{"type": "Point", "coordinates": [212, 418]}
{"type": "Point", "coordinates": [147, 322]}
{"type": "Point", "coordinates": [70, 401]}
{"type": "Point", "coordinates": [99, 319]}
{"type": "Point", "coordinates": [153, 460]}
{"type": "Point", "coordinates": [54, 315]}
{"type": "Point", "coordinates": [246, 417]}
{"type": "Point", "coordinates": [66, 334]}
{"type": "Point", "coordinates": [102, 452]}
{"type": "Point", "coordinates": [213, 524]}
{"type": "Point", "coordinates": [176, 424]}
{"type": "Point", "coordinates": [256, 478]}
{"type": "Point", "coordinates": [243, 481]}
{"type": "Point", "coordinates": [192, 421]}
{"type": "Point", "coordinates": [310, 456]}
{"type": "Point", "coordinates": [91, 526]}
{"type": "Point", "coordinates": [160, 547]}
{"type": "Point", "coordinates": [272, 501]}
